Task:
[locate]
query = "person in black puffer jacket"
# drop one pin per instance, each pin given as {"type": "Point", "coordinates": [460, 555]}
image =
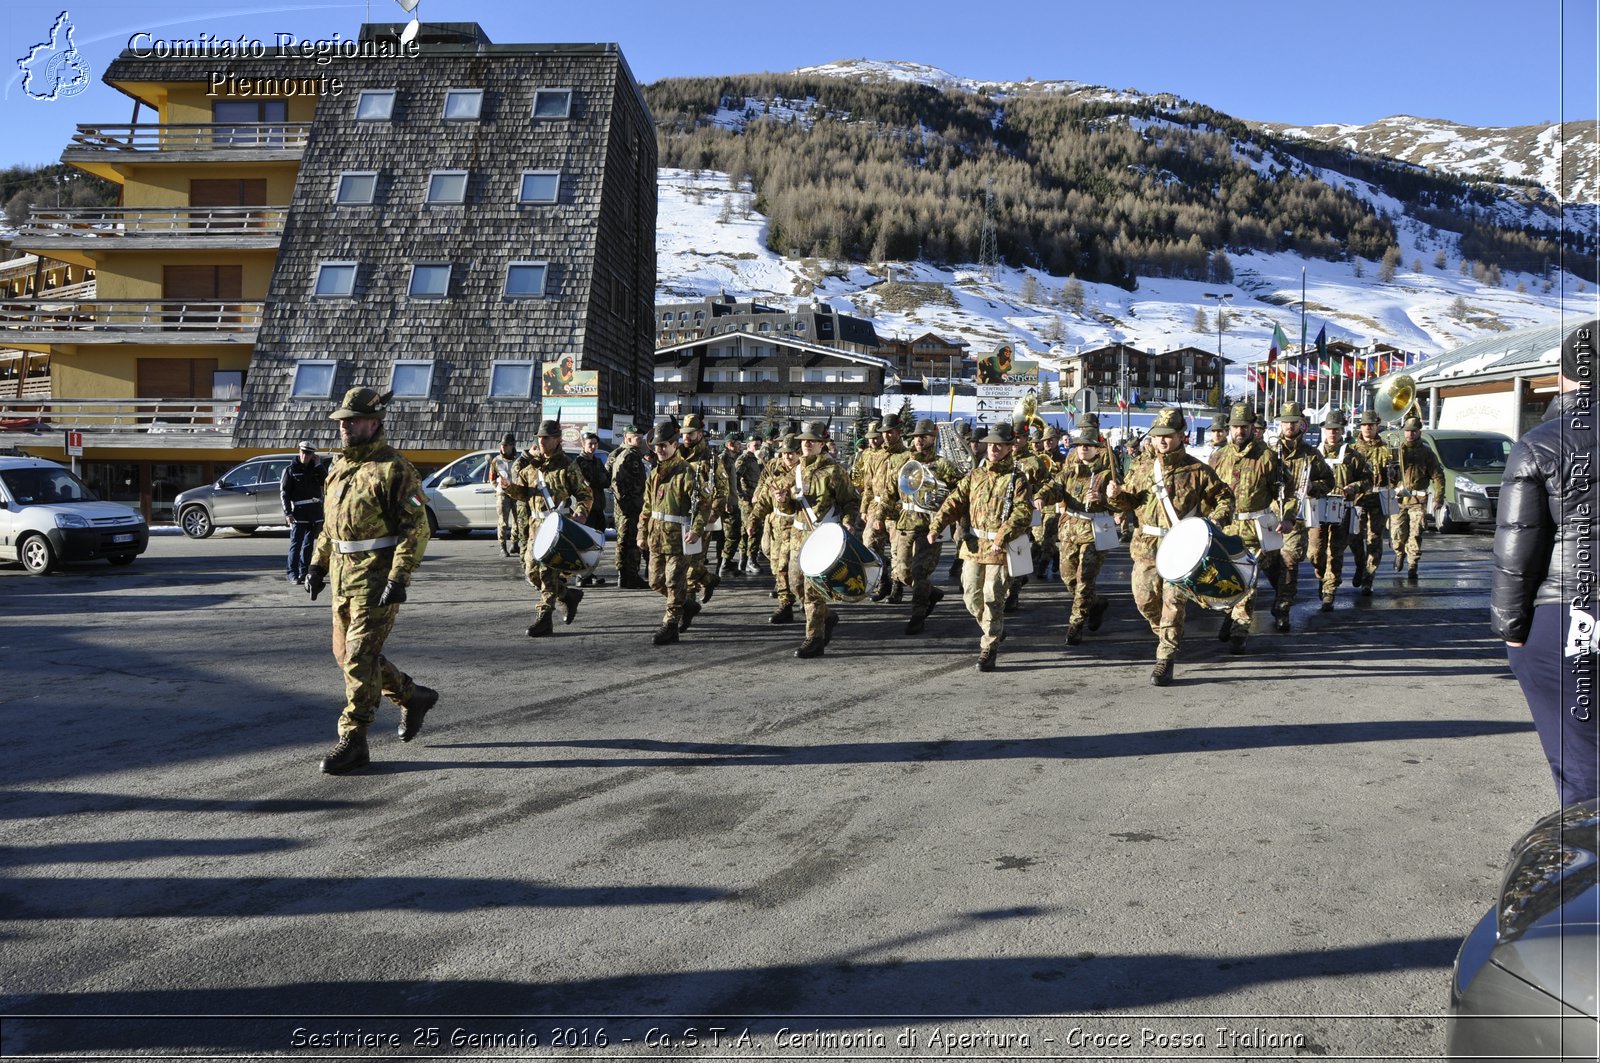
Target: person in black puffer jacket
{"type": "Point", "coordinates": [1542, 601]}
{"type": "Point", "coordinates": [300, 490]}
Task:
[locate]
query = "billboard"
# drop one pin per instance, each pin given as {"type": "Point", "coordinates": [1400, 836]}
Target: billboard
{"type": "Point", "coordinates": [571, 396]}
{"type": "Point", "coordinates": [1002, 367]}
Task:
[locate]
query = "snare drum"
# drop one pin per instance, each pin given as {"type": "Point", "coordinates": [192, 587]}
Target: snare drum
{"type": "Point", "coordinates": [838, 564]}
{"type": "Point", "coordinates": [564, 545]}
{"type": "Point", "coordinates": [1207, 567]}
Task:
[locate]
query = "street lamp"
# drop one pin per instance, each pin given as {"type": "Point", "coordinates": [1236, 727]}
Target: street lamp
{"type": "Point", "coordinates": [1222, 301]}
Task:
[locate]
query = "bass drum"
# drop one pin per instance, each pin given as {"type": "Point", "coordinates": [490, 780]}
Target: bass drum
{"type": "Point", "coordinates": [1208, 567]}
{"type": "Point", "coordinates": [838, 564]}
{"type": "Point", "coordinates": [566, 546]}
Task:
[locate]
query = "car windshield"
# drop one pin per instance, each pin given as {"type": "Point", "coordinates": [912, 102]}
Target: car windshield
{"type": "Point", "coordinates": [1473, 453]}
{"type": "Point", "coordinates": [45, 486]}
{"type": "Point", "coordinates": [469, 469]}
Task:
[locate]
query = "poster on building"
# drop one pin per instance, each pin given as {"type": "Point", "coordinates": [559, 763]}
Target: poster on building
{"type": "Point", "coordinates": [1003, 367]}
{"type": "Point", "coordinates": [570, 396]}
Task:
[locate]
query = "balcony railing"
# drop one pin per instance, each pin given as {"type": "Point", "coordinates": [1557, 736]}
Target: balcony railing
{"type": "Point", "coordinates": [80, 322]}
{"type": "Point", "coordinates": [98, 140]}
{"type": "Point", "coordinates": [117, 223]}
{"type": "Point", "coordinates": [109, 417]}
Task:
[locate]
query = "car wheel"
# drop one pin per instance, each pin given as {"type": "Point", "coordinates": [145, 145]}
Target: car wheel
{"type": "Point", "coordinates": [460, 533]}
{"type": "Point", "coordinates": [244, 529]}
{"type": "Point", "coordinates": [121, 559]}
{"type": "Point", "coordinates": [36, 555]}
{"type": "Point", "coordinates": [433, 522]}
{"type": "Point", "coordinates": [196, 522]}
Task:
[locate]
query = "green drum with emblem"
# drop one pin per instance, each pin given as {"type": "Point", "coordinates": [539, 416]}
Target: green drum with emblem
{"type": "Point", "coordinates": [1208, 567]}
{"type": "Point", "coordinates": [838, 564]}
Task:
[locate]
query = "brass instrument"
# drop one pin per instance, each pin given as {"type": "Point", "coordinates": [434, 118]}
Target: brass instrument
{"type": "Point", "coordinates": [953, 448]}
{"type": "Point", "coordinates": [1025, 414]}
{"type": "Point", "coordinates": [1396, 398]}
{"type": "Point", "coordinates": [920, 489]}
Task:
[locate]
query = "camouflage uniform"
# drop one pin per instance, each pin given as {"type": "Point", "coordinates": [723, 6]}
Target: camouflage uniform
{"type": "Point", "coordinates": [559, 476]}
{"type": "Point", "coordinates": [1254, 474]}
{"type": "Point", "coordinates": [1351, 478]}
{"type": "Point", "coordinates": [714, 481]}
{"type": "Point", "coordinates": [677, 506]}
{"type": "Point", "coordinates": [864, 477]}
{"type": "Point", "coordinates": [627, 472]}
{"type": "Point", "coordinates": [915, 559]}
{"type": "Point", "coordinates": [1367, 543]}
{"type": "Point", "coordinates": [1065, 497]}
{"type": "Point", "coordinates": [1419, 470]}
{"type": "Point", "coordinates": [826, 495]}
{"type": "Point", "coordinates": [1194, 490]}
{"type": "Point", "coordinates": [497, 473]}
{"type": "Point", "coordinates": [994, 499]}
{"type": "Point", "coordinates": [1306, 475]}
{"type": "Point", "coordinates": [519, 502]}
{"type": "Point", "coordinates": [372, 495]}
{"type": "Point", "coordinates": [772, 507]}
{"type": "Point", "coordinates": [746, 478]}
{"type": "Point", "coordinates": [732, 513]}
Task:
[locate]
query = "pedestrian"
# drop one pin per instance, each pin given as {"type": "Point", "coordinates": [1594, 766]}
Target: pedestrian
{"type": "Point", "coordinates": [300, 490]}
{"type": "Point", "coordinates": [1542, 598]}
{"type": "Point", "coordinates": [595, 473]}
{"type": "Point", "coordinates": [371, 543]}
{"type": "Point", "coordinates": [498, 473]}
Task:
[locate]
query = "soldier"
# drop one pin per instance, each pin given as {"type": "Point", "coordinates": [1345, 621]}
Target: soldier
{"type": "Point", "coordinates": [1419, 470]}
{"type": "Point", "coordinates": [885, 536]}
{"type": "Point", "coordinates": [1367, 541]}
{"type": "Point", "coordinates": [732, 519]}
{"type": "Point", "coordinates": [373, 537]}
{"type": "Point", "coordinates": [529, 455]}
{"type": "Point", "coordinates": [1254, 474]}
{"type": "Point", "coordinates": [1046, 533]}
{"type": "Point", "coordinates": [822, 493]}
{"type": "Point", "coordinates": [627, 472]}
{"type": "Point", "coordinates": [1216, 439]}
{"type": "Point", "coordinates": [864, 459]}
{"type": "Point", "coordinates": [498, 474]}
{"type": "Point", "coordinates": [1170, 486]}
{"type": "Point", "coordinates": [713, 480]}
{"type": "Point", "coordinates": [550, 481]}
{"type": "Point", "coordinates": [1306, 476]}
{"type": "Point", "coordinates": [915, 559]}
{"type": "Point", "coordinates": [993, 498]}
{"type": "Point", "coordinates": [746, 478]}
{"type": "Point", "coordinates": [673, 526]}
{"type": "Point", "coordinates": [595, 474]}
{"type": "Point", "coordinates": [1075, 494]}
{"type": "Point", "coordinates": [773, 508]}
{"type": "Point", "coordinates": [1351, 479]}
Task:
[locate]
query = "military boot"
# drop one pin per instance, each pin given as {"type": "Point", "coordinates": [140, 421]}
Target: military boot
{"type": "Point", "coordinates": [666, 634]}
{"type": "Point", "coordinates": [1074, 634]}
{"type": "Point", "coordinates": [542, 625]}
{"type": "Point", "coordinates": [1161, 675]}
{"type": "Point", "coordinates": [571, 600]}
{"type": "Point", "coordinates": [1226, 630]}
{"type": "Point", "coordinates": [1327, 605]}
{"type": "Point", "coordinates": [347, 756]}
{"type": "Point", "coordinates": [1282, 621]}
{"type": "Point", "coordinates": [809, 649]}
{"type": "Point", "coordinates": [691, 609]}
{"type": "Point", "coordinates": [897, 595]}
{"type": "Point", "coordinates": [955, 570]}
{"type": "Point", "coordinates": [918, 619]}
{"type": "Point", "coordinates": [827, 627]}
{"type": "Point", "coordinates": [1013, 599]}
{"type": "Point", "coordinates": [411, 714]}
{"type": "Point", "coordinates": [935, 596]}
{"type": "Point", "coordinates": [986, 659]}
{"type": "Point", "coordinates": [505, 548]}
{"type": "Point", "coordinates": [1097, 613]}
{"type": "Point", "coordinates": [712, 580]}
{"type": "Point", "coordinates": [1236, 642]}
{"type": "Point", "coordinates": [881, 591]}
{"type": "Point", "coordinates": [1411, 574]}
{"type": "Point", "coordinates": [784, 614]}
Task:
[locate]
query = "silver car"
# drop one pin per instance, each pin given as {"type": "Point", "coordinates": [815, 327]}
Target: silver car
{"type": "Point", "coordinates": [1525, 979]}
{"type": "Point", "coordinates": [244, 498]}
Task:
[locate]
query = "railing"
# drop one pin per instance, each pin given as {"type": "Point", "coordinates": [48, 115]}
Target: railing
{"type": "Point", "coordinates": [128, 315]}
{"type": "Point", "coordinates": [141, 416]}
{"type": "Point", "coordinates": [112, 222]}
{"type": "Point", "coordinates": [153, 137]}
{"type": "Point", "coordinates": [67, 292]}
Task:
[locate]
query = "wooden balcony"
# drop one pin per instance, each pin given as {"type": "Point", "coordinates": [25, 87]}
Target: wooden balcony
{"type": "Point", "coordinates": [54, 321]}
{"type": "Point", "coordinates": [176, 424]}
{"type": "Point", "coordinates": [156, 228]}
{"type": "Point", "coordinates": [154, 142]}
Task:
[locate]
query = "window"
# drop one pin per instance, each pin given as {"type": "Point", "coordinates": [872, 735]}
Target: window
{"type": "Point", "coordinates": [511, 380]}
{"type": "Point", "coordinates": [666, 319]}
{"type": "Point", "coordinates": [412, 380]}
{"type": "Point", "coordinates": [539, 186]}
{"type": "Point", "coordinates": [525, 280]}
{"type": "Point", "coordinates": [766, 327]}
{"type": "Point", "coordinates": [429, 280]}
{"type": "Point", "coordinates": [375, 105]}
{"type": "Point", "coordinates": [447, 186]}
{"type": "Point", "coordinates": [313, 379]}
{"type": "Point", "coordinates": [463, 105]}
{"type": "Point", "coordinates": [335, 280]}
{"type": "Point", "coordinates": [799, 326]}
{"type": "Point", "coordinates": [356, 187]}
{"type": "Point", "coordinates": [552, 103]}
{"type": "Point", "coordinates": [673, 375]}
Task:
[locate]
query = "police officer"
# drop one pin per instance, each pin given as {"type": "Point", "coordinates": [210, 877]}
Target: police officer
{"type": "Point", "coordinates": [373, 539]}
{"type": "Point", "coordinates": [674, 525]}
{"type": "Point", "coordinates": [627, 472]}
{"type": "Point", "coordinates": [1306, 476]}
{"type": "Point", "coordinates": [1367, 541]}
{"type": "Point", "coordinates": [1351, 479]}
{"type": "Point", "coordinates": [1419, 471]}
{"type": "Point", "coordinates": [550, 481]}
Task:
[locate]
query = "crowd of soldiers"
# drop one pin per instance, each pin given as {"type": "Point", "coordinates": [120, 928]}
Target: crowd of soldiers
{"type": "Point", "coordinates": [1017, 503]}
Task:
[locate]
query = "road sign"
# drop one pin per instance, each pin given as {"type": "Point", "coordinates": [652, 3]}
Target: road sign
{"type": "Point", "coordinates": [1005, 392]}
{"type": "Point", "coordinates": [74, 444]}
{"type": "Point", "coordinates": [1085, 400]}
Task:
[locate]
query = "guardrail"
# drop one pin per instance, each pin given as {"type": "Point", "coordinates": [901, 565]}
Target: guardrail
{"type": "Point", "coordinates": [143, 416]}
{"type": "Point", "coordinates": [113, 222]}
{"type": "Point", "coordinates": [129, 315]}
{"type": "Point", "coordinates": [155, 137]}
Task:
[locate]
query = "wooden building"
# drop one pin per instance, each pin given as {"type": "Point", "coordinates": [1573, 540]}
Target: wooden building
{"type": "Point", "coordinates": [1182, 375]}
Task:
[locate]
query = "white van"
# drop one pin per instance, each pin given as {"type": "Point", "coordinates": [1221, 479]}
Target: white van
{"type": "Point", "coordinates": [49, 517]}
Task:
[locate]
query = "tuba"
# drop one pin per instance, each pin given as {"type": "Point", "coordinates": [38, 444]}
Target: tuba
{"type": "Point", "coordinates": [1025, 414]}
{"type": "Point", "coordinates": [920, 488]}
{"type": "Point", "coordinates": [1395, 399]}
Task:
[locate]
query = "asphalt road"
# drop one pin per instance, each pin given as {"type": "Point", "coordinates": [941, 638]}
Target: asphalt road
{"type": "Point", "coordinates": [597, 845]}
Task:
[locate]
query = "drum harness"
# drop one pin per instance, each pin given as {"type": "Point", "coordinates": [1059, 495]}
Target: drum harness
{"type": "Point", "coordinates": [831, 517]}
{"type": "Point", "coordinates": [1005, 508]}
{"type": "Point", "coordinates": [1166, 502]}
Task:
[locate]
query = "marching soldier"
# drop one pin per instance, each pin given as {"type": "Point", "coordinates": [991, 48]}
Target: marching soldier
{"type": "Point", "coordinates": [880, 533]}
{"type": "Point", "coordinates": [374, 533]}
{"type": "Point", "coordinates": [862, 465]}
{"type": "Point", "coordinates": [627, 472]}
{"type": "Point", "coordinates": [1170, 486]}
{"type": "Point", "coordinates": [1367, 541]}
{"type": "Point", "coordinates": [1254, 474]}
{"type": "Point", "coordinates": [1351, 479]}
{"type": "Point", "coordinates": [550, 481]}
{"type": "Point", "coordinates": [1419, 471]}
{"type": "Point", "coordinates": [713, 480]}
{"type": "Point", "coordinates": [916, 559]}
{"type": "Point", "coordinates": [822, 493]}
{"type": "Point", "coordinates": [773, 509]}
{"type": "Point", "coordinates": [1046, 533]}
{"type": "Point", "coordinates": [498, 473]}
{"type": "Point", "coordinates": [1074, 495]}
{"type": "Point", "coordinates": [595, 474]}
{"type": "Point", "coordinates": [733, 531]}
{"type": "Point", "coordinates": [673, 525]}
{"type": "Point", "coordinates": [1306, 476]}
{"type": "Point", "coordinates": [994, 499]}
{"type": "Point", "coordinates": [746, 478]}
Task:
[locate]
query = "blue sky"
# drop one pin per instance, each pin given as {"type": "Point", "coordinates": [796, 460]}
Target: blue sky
{"type": "Point", "coordinates": [1472, 61]}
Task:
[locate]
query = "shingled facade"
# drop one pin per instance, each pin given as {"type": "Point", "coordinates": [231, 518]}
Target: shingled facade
{"type": "Point", "coordinates": [536, 270]}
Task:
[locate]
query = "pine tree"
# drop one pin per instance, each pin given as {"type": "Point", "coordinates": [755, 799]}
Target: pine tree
{"type": "Point", "coordinates": [1440, 259]}
{"type": "Point", "coordinates": [1072, 295]}
{"type": "Point", "coordinates": [1390, 263]}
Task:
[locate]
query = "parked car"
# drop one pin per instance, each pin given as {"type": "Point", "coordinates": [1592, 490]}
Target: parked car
{"type": "Point", "coordinates": [51, 517]}
{"type": "Point", "coordinates": [1525, 980]}
{"type": "Point", "coordinates": [243, 498]}
{"type": "Point", "coordinates": [461, 500]}
{"type": "Point", "coordinates": [1473, 464]}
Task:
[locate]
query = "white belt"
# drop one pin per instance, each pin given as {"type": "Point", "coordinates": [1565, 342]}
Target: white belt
{"type": "Point", "coordinates": [1153, 531]}
{"type": "Point", "coordinates": [1254, 514]}
{"type": "Point", "coordinates": [980, 533]}
{"type": "Point", "coordinates": [362, 546]}
{"type": "Point", "coordinates": [670, 518]}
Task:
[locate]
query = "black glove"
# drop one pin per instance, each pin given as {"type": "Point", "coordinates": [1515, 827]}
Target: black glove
{"type": "Point", "coordinates": [316, 579]}
{"type": "Point", "coordinates": [393, 594]}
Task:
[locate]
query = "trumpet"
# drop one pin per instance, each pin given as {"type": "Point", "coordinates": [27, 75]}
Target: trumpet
{"type": "Point", "coordinates": [922, 491]}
